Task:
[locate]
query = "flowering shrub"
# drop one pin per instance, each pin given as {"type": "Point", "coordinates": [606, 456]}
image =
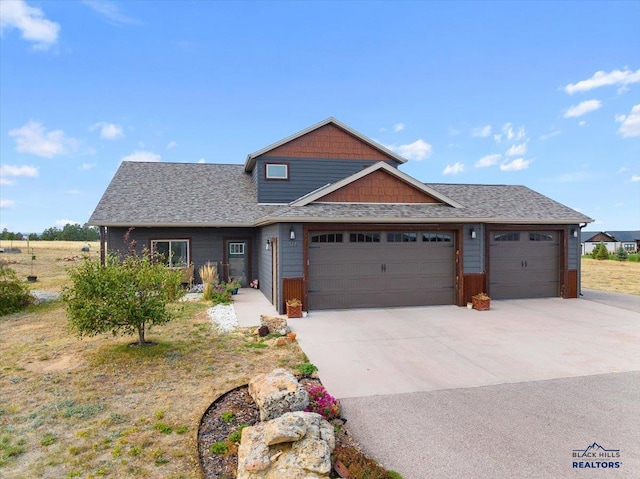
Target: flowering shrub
{"type": "Point", "coordinates": [220, 295]}
{"type": "Point", "coordinates": [197, 288]}
{"type": "Point", "coordinates": [322, 402]}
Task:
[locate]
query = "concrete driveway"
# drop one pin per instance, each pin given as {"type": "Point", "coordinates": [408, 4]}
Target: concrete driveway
{"type": "Point", "coordinates": [448, 392]}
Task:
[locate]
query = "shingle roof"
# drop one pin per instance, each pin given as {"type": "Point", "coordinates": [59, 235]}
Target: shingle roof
{"type": "Point", "coordinates": [188, 194]}
{"type": "Point", "coordinates": [622, 236]}
{"type": "Point", "coordinates": [179, 194]}
{"type": "Point", "coordinates": [482, 203]}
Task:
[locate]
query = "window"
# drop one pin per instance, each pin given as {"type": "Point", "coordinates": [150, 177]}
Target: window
{"type": "Point", "coordinates": [277, 171]}
{"type": "Point", "coordinates": [436, 237]}
{"type": "Point", "coordinates": [540, 237]}
{"type": "Point", "coordinates": [364, 237]}
{"type": "Point", "coordinates": [327, 238]}
{"type": "Point", "coordinates": [506, 237]}
{"type": "Point", "coordinates": [236, 248]}
{"type": "Point", "coordinates": [174, 252]}
{"type": "Point", "coordinates": [402, 237]}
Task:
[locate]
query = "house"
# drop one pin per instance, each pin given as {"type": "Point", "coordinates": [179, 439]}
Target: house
{"type": "Point", "coordinates": [629, 240]}
{"type": "Point", "coordinates": [327, 216]}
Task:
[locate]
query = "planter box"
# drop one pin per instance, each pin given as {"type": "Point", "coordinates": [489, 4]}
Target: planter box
{"type": "Point", "coordinates": [294, 311]}
{"type": "Point", "coordinates": [481, 304]}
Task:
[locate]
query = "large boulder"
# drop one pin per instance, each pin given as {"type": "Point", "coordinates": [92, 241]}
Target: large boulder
{"type": "Point", "coordinates": [277, 393]}
{"type": "Point", "coordinates": [276, 324]}
{"type": "Point", "coordinates": [297, 445]}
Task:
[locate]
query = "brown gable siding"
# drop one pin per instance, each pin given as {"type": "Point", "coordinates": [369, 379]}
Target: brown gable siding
{"type": "Point", "coordinates": [601, 237]}
{"type": "Point", "coordinates": [328, 141]}
{"type": "Point", "coordinates": [378, 187]}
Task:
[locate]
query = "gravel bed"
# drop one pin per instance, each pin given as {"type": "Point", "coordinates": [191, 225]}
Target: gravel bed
{"type": "Point", "coordinates": [223, 317]}
{"type": "Point", "coordinates": [42, 296]}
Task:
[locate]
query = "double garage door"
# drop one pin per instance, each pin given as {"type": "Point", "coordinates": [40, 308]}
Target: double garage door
{"type": "Point", "coordinates": [524, 264]}
{"type": "Point", "coordinates": [377, 269]}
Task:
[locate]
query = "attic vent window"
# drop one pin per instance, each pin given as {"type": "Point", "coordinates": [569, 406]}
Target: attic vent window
{"type": "Point", "coordinates": [277, 171]}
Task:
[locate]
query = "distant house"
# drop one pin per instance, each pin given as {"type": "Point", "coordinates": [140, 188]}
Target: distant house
{"type": "Point", "coordinates": [327, 216]}
{"type": "Point", "coordinates": [629, 240]}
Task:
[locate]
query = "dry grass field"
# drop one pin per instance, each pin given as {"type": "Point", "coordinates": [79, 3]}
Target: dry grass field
{"type": "Point", "coordinates": [99, 407]}
{"type": "Point", "coordinates": [611, 275]}
{"type": "Point", "coordinates": [52, 257]}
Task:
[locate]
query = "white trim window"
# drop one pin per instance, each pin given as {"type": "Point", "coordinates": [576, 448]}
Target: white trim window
{"type": "Point", "coordinates": [277, 171]}
{"type": "Point", "coordinates": [174, 251]}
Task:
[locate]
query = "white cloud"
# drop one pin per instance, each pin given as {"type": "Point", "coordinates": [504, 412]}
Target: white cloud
{"type": "Point", "coordinates": [33, 138]}
{"type": "Point", "coordinates": [418, 150]}
{"type": "Point", "coordinates": [635, 178]}
{"type": "Point", "coordinates": [7, 204]}
{"type": "Point", "coordinates": [108, 131]}
{"type": "Point", "coordinates": [30, 21]}
{"type": "Point", "coordinates": [398, 127]}
{"type": "Point", "coordinates": [15, 171]}
{"type": "Point", "coordinates": [550, 135]}
{"type": "Point", "coordinates": [515, 165]}
{"type": "Point", "coordinates": [488, 160]}
{"type": "Point", "coordinates": [600, 78]}
{"type": "Point", "coordinates": [454, 169]}
{"type": "Point", "coordinates": [509, 133]}
{"type": "Point", "coordinates": [582, 122]}
{"type": "Point", "coordinates": [517, 150]}
{"type": "Point", "coordinates": [630, 123]}
{"type": "Point", "coordinates": [110, 11]}
{"type": "Point", "coordinates": [171, 145]}
{"type": "Point", "coordinates": [72, 192]}
{"type": "Point", "coordinates": [201, 160]}
{"type": "Point", "coordinates": [481, 131]}
{"type": "Point", "coordinates": [142, 156]}
{"type": "Point", "coordinates": [86, 166]}
{"type": "Point", "coordinates": [583, 108]}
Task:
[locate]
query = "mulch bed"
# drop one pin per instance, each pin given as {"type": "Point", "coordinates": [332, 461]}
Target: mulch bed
{"type": "Point", "coordinates": [214, 428]}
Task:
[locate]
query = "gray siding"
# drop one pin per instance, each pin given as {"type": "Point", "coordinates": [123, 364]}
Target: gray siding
{"type": "Point", "coordinates": [473, 249]}
{"type": "Point", "coordinates": [291, 252]}
{"type": "Point", "coordinates": [265, 260]}
{"type": "Point", "coordinates": [575, 248]}
{"type": "Point", "coordinates": [305, 175]}
{"type": "Point", "coordinates": [207, 244]}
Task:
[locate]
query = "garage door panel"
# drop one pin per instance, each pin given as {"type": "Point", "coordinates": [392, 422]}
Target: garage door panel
{"type": "Point", "coordinates": [382, 274]}
{"type": "Point", "coordinates": [524, 264]}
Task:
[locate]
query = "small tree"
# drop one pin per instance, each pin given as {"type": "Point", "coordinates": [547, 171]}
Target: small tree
{"type": "Point", "coordinates": [14, 294]}
{"type": "Point", "coordinates": [124, 297]}
{"type": "Point", "coordinates": [602, 253]}
{"type": "Point", "coordinates": [621, 254]}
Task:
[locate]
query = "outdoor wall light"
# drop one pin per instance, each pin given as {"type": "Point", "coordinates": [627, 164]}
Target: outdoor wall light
{"type": "Point", "coordinates": [574, 232]}
{"type": "Point", "coordinates": [472, 232]}
{"type": "Point", "coordinates": [292, 234]}
{"type": "Point", "coordinates": [267, 245]}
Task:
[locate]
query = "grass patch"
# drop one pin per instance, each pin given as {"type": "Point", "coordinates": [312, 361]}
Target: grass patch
{"type": "Point", "coordinates": [613, 276]}
{"type": "Point", "coordinates": [91, 407]}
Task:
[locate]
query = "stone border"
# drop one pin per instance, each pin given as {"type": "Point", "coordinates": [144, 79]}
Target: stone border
{"type": "Point", "coordinates": [204, 414]}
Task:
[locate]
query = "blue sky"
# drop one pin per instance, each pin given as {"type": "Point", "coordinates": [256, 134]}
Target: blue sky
{"type": "Point", "coordinates": [545, 94]}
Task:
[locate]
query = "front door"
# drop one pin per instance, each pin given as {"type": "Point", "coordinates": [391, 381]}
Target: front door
{"type": "Point", "coordinates": [238, 260]}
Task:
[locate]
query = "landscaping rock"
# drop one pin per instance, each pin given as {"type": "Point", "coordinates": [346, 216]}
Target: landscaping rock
{"type": "Point", "coordinates": [276, 325]}
{"type": "Point", "coordinates": [276, 393]}
{"type": "Point", "coordinates": [296, 445]}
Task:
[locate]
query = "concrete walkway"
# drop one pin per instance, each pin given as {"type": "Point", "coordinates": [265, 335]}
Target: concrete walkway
{"type": "Point", "coordinates": [444, 392]}
{"type": "Point", "coordinates": [391, 351]}
{"type": "Point", "coordinates": [249, 304]}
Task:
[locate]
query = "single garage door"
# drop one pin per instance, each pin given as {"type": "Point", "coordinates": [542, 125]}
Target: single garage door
{"type": "Point", "coordinates": [524, 264]}
{"type": "Point", "coordinates": [380, 269]}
